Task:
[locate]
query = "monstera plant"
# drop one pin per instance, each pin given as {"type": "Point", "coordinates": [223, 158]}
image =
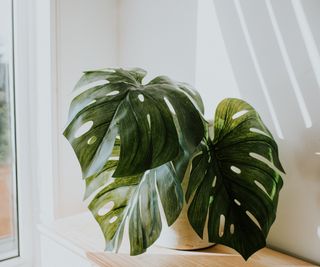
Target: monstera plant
{"type": "Point", "coordinates": [134, 142]}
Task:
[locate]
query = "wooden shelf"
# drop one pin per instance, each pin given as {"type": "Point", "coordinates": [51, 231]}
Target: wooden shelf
{"type": "Point", "coordinates": [213, 257]}
{"type": "Point", "coordinates": [82, 234]}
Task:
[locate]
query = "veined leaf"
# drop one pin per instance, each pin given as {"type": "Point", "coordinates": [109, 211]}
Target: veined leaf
{"type": "Point", "coordinates": [134, 143]}
{"type": "Point", "coordinates": [137, 196]}
{"type": "Point", "coordinates": [130, 194]}
{"type": "Point", "coordinates": [135, 200]}
{"type": "Point", "coordinates": [142, 115]}
{"type": "Point", "coordinates": [235, 180]}
{"type": "Point", "coordinates": [103, 177]}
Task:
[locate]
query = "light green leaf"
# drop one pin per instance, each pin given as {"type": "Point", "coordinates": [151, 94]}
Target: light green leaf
{"type": "Point", "coordinates": [236, 180]}
{"type": "Point", "coordinates": [104, 176]}
{"type": "Point", "coordinates": [135, 200]}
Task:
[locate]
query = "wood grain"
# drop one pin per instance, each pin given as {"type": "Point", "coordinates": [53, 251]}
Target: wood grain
{"type": "Point", "coordinates": [215, 256]}
{"type": "Point", "coordinates": [83, 233]}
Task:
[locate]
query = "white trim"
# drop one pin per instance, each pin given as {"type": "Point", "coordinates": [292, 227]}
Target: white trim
{"type": "Point", "coordinates": [51, 234]}
{"type": "Point", "coordinates": [15, 262]}
{"type": "Point", "coordinates": [45, 95]}
{"type": "Point", "coordinates": [9, 246]}
{"type": "Point", "coordinates": [36, 120]}
{"type": "Point", "coordinates": [55, 114]}
{"type": "Point", "coordinates": [55, 20]}
{"type": "Point", "coordinates": [22, 15]}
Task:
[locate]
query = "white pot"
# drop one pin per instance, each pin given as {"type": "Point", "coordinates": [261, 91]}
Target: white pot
{"type": "Point", "coordinates": [181, 235]}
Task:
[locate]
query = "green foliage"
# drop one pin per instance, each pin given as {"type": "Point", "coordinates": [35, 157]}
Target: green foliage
{"type": "Point", "coordinates": [136, 144]}
{"type": "Point", "coordinates": [233, 187]}
{"type": "Point", "coordinates": [140, 114]}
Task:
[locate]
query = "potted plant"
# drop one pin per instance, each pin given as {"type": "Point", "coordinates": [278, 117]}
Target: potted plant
{"type": "Point", "coordinates": [137, 144]}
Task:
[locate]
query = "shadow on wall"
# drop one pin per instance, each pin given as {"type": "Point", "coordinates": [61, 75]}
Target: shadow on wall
{"type": "Point", "coordinates": [274, 50]}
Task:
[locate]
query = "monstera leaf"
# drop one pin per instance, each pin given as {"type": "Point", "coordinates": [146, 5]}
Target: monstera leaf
{"type": "Point", "coordinates": [135, 200]}
{"type": "Point", "coordinates": [235, 180]}
{"type": "Point", "coordinates": [134, 143]}
{"type": "Point", "coordinates": [145, 118]}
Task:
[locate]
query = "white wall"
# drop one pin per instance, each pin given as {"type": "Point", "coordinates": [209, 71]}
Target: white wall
{"type": "Point", "coordinates": [159, 36]}
{"type": "Point", "coordinates": [100, 33]}
{"type": "Point", "coordinates": [267, 52]}
{"type": "Point", "coordinates": [86, 40]}
{"type": "Point", "coordinates": [214, 77]}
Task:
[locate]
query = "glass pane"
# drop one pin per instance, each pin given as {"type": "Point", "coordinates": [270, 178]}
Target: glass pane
{"type": "Point", "coordinates": [8, 194]}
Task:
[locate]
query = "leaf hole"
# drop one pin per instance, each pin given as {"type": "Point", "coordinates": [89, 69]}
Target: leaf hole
{"type": "Point", "coordinates": [253, 218]}
{"type": "Point", "coordinates": [237, 202]}
{"type": "Point", "coordinates": [92, 140]}
{"type": "Point", "coordinates": [149, 120]}
{"type": "Point", "coordinates": [85, 87]}
{"type": "Point", "coordinates": [232, 228]}
{"type": "Point", "coordinates": [214, 181]}
{"type": "Point", "coordinates": [258, 131]}
{"type": "Point", "coordinates": [169, 105]}
{"type": "Point", "coordinates": [83, 129]}
{"type": "Point", "coordinates": [113, 93]}
{"type": "Point", "coordinates": [113, 219]}
{"type": "Point", "coordinates": [265, 161]}
{"type": "Point", "coordinates": [106, 208]}
{"type": "Point", "coordinates": [239, 114]}
{"type": "Point", "coordinates": [221, 225]}
{"type": "Point", "coordinates": [235, 169]}
{"type": "Point", "coordinates": [141, 97]}
{"type": "Point", "coordinates": [261, 186]}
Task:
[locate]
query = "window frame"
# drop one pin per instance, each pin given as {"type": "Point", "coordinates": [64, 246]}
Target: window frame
{"type": "Point", "coordinates": [21, 23]}
{"type": "Point", "coordinates": [15, 239]}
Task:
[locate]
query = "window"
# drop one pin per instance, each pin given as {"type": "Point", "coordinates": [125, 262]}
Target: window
{"type": "Point", "coordinates": [9, 240]}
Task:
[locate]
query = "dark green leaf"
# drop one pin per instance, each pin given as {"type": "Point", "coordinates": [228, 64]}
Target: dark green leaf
{"type": "Point", "coordinates": [142, 115]}
{"type": "Point", "coordinates": [235, 180]}
{"type": "Point", "coordinates": [193, 95]}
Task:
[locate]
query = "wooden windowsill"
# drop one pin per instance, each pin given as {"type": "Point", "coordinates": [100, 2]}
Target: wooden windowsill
{"type": "Point", "coordinates": [82, 235]}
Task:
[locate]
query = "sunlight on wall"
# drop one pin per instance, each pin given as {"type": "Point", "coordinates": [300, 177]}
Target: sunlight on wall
{"type": "Point", "coordinates": [214, 77]}
{"type": "Point", "coordinates": [266, 52]}
{"type": "Point", "coordinates": [269, 55]}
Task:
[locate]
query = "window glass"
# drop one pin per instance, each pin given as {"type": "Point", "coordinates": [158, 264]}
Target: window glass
{"type": "Point", "coordinates": [8, 194]}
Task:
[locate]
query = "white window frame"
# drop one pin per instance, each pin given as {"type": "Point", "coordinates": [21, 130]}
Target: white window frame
{"type": "Point", "coordinates": [23, 124]}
